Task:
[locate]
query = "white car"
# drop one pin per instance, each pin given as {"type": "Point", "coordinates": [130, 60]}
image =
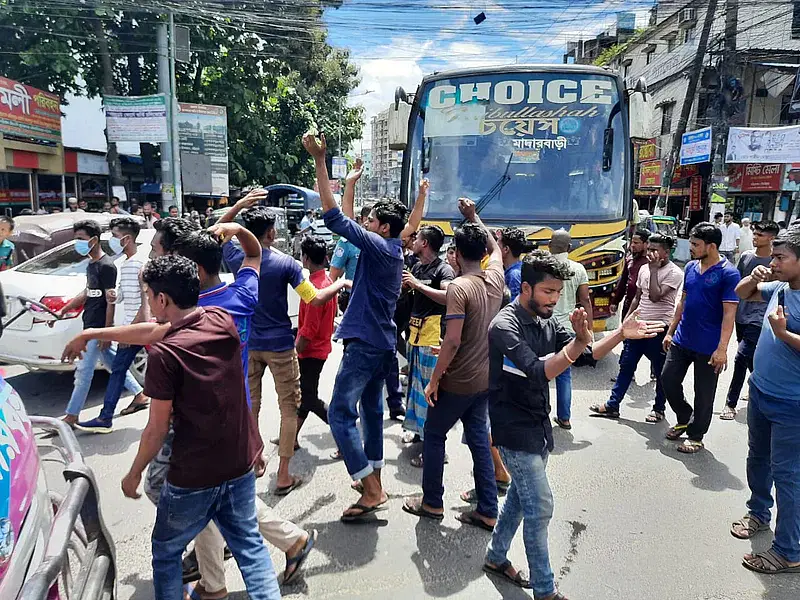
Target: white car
{"type": "Point", "coordinates": [50, 280]}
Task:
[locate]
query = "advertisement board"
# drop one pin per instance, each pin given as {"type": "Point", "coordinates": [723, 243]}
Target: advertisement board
{"type": "Point", "coordinates": [755, 177]}
{"type": "Point", "coordinates": [136, 118]}
{"type": "Point", "coordinates": [203, 138]}
{"type": "Point", "coordinates": [763, 145]}
{"type": "Point", "coordinates": [696, 147]}
{"type": "Point", "coordinates": [28, 113]}
{"type": "Point", "coordinates": [650, 174]}
{"type": "Point", "coordinates": [647, 150]}
{"type": "Point", "coordinates": [696, 193]}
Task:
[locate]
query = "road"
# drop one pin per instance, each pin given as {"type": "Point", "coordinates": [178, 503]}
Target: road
{"type": "Point", "coordinates": [634, 519]}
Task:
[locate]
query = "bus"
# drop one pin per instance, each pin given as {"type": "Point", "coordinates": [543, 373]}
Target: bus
{"type": "Point", "coordinates": [536, 147]}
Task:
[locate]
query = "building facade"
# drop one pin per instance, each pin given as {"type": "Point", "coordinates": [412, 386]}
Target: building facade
{"type": "Point", "coordinates": [386, 163]}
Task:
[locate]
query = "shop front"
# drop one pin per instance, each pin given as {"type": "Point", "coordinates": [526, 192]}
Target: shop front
{"type": "Point", "coordinates": [756, 190]}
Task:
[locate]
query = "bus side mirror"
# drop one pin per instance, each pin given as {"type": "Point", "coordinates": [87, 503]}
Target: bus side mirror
{"type": "Point", "coordinates": [640, 111]}
{"type": "Point", "coordinates": [399, 113]}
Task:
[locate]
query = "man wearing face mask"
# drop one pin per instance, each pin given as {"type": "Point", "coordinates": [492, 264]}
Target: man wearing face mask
{"type": "Point", "coordinates": [101, 277]}
{"type": "Point", "coordinates": [124, 231]}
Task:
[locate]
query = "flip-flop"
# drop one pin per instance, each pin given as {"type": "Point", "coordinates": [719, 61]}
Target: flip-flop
{"type": "Point", "coordinates": [288, 489]}
{"type": "Point", "coordinates": [563, 424]}
{"type": "Point", "coordinates": [298, 560]}
{"type": "Point", "coordinates": [366, 511]}
{"type": "Point", "coordinates": [520, 580]}
{"type": "Point", "coordinates": [602, 410]}
{"type": "Point", "coordinates": [134, 407]}
{"type": "Point", "coordinates": [471, 518]}
{"type": "Point", "coordinates": [420, 511]}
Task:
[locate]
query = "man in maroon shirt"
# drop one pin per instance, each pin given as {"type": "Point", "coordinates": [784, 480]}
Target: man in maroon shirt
{"type": "Point", "coordinates": [636, 259]}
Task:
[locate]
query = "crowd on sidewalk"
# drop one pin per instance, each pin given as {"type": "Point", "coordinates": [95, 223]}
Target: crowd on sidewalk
{"type": "Point", "coordinates": [484, 330]}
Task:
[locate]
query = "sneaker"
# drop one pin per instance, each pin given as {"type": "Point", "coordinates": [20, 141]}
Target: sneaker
{"type": "Point", "coordinates": [97, 425]}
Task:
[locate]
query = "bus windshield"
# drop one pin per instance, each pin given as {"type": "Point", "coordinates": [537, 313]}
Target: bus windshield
{"type": "Point", "coordinates": [524, 146]}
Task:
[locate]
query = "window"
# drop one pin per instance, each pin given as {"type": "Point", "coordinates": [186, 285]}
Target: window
{"type": "Point", "coordinates": [670, 44]}
{"type": "Point", "coordinates": [688, 34]}
{"type": "Point", "coordinates": [648, 57]}
{"type": "Point", "coordinates": [667, 111]}
{"type": "Point", "coordinates": [796, 20]}
{"type": "Point", "coordinates": [625, 69]}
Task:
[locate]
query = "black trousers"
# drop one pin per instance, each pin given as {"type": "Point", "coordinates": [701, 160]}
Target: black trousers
{"type": "Point", "coordinates": [679, 359]}
{"type": "Point", "coordinates": [310, 371]}
{"type": "Point", "coordinates": [747, 335]}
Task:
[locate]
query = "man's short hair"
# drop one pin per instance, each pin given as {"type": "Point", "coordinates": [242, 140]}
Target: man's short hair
{"type": "Point", "coordinates": [470, 240]}
{"type": "Point", "coordinates": [365, 210]}
{"type": "Point", "coordinates": [537, 265]}
{"type": "Point", "coordinates": [8, 220]}
{"type": "Point", "coordinates": [707, 232]}
{"type": "Point", "coordinates": [717, 215]}
{"type": "Point", "coordinates": [393, 214]}
{"type": "Point", "coordinates": [514, 238]}
{"type": "Point", "coordinates": [90, 228]}
{"type": "Point", "coordinates": [790, 239]}
{"type": "Point", "coordinates": [314, 248]}
{"type": "Point", "coordinates": [173, 206]}
{"type": "Point", "coordinates": [202, 248]}
{"type": "Point", "coordinates": [148, 203]}
{"type": "Point", "coordinates": [126, 225]}
{"type": "Point", "coordinates": [667, 242]}
{"type": "Point", "coordinates": [728, 214]}
{"type": "Point", "coordinates": [642, 234]}
{"type": "Point", "coordinates": [767, 227]}
{"type": "Point", "coordinates": [258, 220]}
{"type": "Point", "coordinates": [172, 229]}
{"type": "Point", "coordinates": [174, 276]}
{"type": "Point", "coordinates": [432, 234]}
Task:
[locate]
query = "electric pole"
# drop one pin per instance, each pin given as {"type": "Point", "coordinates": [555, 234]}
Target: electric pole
{"type": "Point", "coordinates": [164, 81]}
{"type": "Point", "coordinates": [688, 101]}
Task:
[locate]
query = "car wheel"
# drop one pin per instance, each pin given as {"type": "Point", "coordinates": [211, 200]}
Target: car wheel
{"type": "Point", "coordinates": [139, 366]}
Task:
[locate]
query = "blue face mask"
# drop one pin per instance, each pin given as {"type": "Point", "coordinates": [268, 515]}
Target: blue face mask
{"type": "Point", "coordinates": [116, 245]}
{"type": "Point", "coordinates": [82, 247]}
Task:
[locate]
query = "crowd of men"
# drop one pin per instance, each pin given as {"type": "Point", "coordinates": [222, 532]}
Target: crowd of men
{"type": "Point", "coordinates": [488, 329]}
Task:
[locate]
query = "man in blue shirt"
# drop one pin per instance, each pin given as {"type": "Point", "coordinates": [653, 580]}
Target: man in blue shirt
{"type": "Point", "coordinates": [369, 334]}
{"type": "Point", "coordinates": [512, 243]}
{"type": "Point", "coordinates": [773, 421]}
{"type": "Point", "coordinates": [271, 341]}
{"type": "Point", "coordinates": [699, 335]}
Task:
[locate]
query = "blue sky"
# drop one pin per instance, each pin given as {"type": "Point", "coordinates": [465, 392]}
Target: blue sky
{"type": "Point", "coordinates": [397, 42]}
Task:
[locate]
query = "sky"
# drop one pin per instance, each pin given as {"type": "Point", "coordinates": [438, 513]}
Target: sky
{"type": "Point", "coordinates": [400, 41]}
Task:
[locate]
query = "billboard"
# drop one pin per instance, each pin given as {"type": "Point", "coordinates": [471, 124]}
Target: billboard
{"type": "Point", "coordinates": [763, 145]}
{"type": "Point", "coordinates": [136, 118]}
{"type": "Point", "coordinates": [203, 138]}
{"type": "Point", "coordinates": [28, 113]}
{"type": "Point", "coordinates": [755, 177]}
{"type": "Point", "coordinates": [696, 147]}
{"type": "Point", "coordinates": [650, 174]}
{"type": "Point", "coordinates": [647, 150]}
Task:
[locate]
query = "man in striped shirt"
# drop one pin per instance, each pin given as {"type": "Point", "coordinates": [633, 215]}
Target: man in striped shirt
{"type": "Point", "coordinates": [123, 241]}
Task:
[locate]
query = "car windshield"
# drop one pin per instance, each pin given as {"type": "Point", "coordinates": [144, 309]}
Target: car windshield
{"type": "Point", "coordinates": [62, 261]}
{"type": "Point", "coordinates": [529, 143]}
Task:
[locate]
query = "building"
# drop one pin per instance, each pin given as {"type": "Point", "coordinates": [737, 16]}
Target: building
{"type": "Point", "coordinates": [586, 52]}
{"type": "Point", "coordinates": [386, 163]}
{"type": "Point", "coordinates": [751, 87]}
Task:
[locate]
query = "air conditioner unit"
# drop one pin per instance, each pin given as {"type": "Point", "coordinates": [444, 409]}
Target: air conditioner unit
{"type": "Point", "coordinates": [688, 16]}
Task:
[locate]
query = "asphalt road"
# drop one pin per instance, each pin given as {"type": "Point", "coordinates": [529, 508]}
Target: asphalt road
{"type": "Point", "coordinates": [634, 519]}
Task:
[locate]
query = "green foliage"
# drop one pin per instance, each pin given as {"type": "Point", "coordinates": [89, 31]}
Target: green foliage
{"type": "Point", "coordinates": [609, 54]}
{"type": "Point", "coordinates": [275, 86]}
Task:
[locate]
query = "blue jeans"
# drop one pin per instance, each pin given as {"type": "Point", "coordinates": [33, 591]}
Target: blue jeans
{"type": "Point", "coordinates": [183, 513]}
{"type": "Point", "coordinates": [632, 353]}
{"type": "Point", "coordinates": [529, 501]}
{"type": "Point", "coordinates": [84, 372]}
{"type": "Point", "coordinates": [748, 338]}
{"type": "Point", "coordinates": [360, 377]}
{"type": "Point", "coordinates": [119, 372]}
{"type": "Point", "coordinates": [564, 395]}
{"type": "Point", "coordinates": [394, 389]}
{"type": "Point", "coordinates": [773, 426]}
{"type": "Point", "coordinates": [442, 416]}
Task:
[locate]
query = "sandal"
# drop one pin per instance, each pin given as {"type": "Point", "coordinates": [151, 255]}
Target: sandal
{"type": "Point", "coordinates": [602, 410]}
{"type": "Point", "coordinates": [471, 497]}
{"type": "Point", "coordinates": [297, 561]}
{"type": "Point", "coordinates": [655, 417]}
{"type": "Point", "coordinates": [473, 518]}
{"type": "Point", "coordinates": [675, 432]}
{"type": "Point", "coordinates": [562, 423]}
{"type": "Point", "coordinates": [413, 506]}
{"type": "Point", "coordinates": [746, 527]}
{"type": "Point", "coordinates": [419, 462]}
{"type": "Point", "coordinates": [520, 580]}
{"type": "Point", "coordinates": [288, 489]}
{"type": "Point", "coordinates": [690, 447]}
{"type": "Point", "coordinates": [728, 413]}
{"type": "Point", "coordinates": [768, 563]}
{"type": "Point", "coordinates": [361, 517]}
{"type": "Point", "coordinates": [134, 407]}
{"type": "Point", "coordinates": [411, 438]}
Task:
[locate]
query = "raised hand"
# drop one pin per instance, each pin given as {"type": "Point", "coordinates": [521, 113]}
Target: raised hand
{"type": "Point", "coordinates": [315, 147]}
{"type": "Point", "coordinates": [224, 231]}
{"type": "Point", "coordinates": [252, 198]}
{"type": "Point", "coordinates": [467, 209]}
{"type": "Point", "coordinates": [356, 172]}
{"type": "Point", "coordinates": [580, 325]}
{"type": "Point", "coordinates": [777, 320]}
{"type": "Point", "coordinates": [424, 187]}
{"type": "Point", "coordinates": [762, 274]}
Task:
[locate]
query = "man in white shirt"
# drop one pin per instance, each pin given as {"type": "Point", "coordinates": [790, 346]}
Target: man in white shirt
{"type": "Point", "coordinates": [746, 241]}
{"type": "Point", "coordinates": [575, 291]}
{"type": "Point", "coordinates": [731, 236]}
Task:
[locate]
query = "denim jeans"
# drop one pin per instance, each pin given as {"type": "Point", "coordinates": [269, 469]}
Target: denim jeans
{"type": "Point", "coordinates": [698, 419]}
{"type": "Point", "coordinates": [564, 395]}
{"type": "Point", "coordinates": [632, 353]}
{"type": "Point", "coordinates": [529, 501]}
{"type": "Point", "coordinates": [84, 372]}
{"type": "Point", "coordinates": [773, 426]}
{"type": "Point", "coordinates": [748, 338]}
{"type": "Point", "coordinates": [394, 389]}
{"type": "Point", "coordinates": [119, 371]}
{"type": "Point", "coordinates": [442, 416]}
{"type": "Point", "coordinates": [360, 378]}
{"type": "Point", "coordinates": [183, 513]}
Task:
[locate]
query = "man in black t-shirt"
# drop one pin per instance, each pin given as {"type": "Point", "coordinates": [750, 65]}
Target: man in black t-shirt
{"type": "Point", "coordinates": [101, 276]}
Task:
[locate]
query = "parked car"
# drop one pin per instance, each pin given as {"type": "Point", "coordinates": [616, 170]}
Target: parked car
{"type": "Point", "coordinates": [52, 546]}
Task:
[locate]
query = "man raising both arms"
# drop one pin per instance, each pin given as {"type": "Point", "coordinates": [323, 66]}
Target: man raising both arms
{"type": "Point", "coordinates": [369, 335]}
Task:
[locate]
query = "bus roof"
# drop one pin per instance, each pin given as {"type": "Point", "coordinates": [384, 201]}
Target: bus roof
{"type": "Point", "coordinates": [551, 68]}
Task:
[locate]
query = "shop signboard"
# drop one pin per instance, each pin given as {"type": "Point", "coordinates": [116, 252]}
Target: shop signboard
{"type": "Point", "coordinates": [647, 150]}
{"type": "Point", "coordinates": [136, 118]}
{"type": "Point", "coordinates": [696, 147]}
{"type": "Point", "coordinates": [684, 172]}
{"type": "Point", "coordinates": [650, 174]}
{"type": "Point", "coordinates": [203, 136]}
{"type": "Point", "coordinates": [756, 177]}
{"type": "Point", "coordinates": [28, 113]}
{"type": "Point", "coordinates": [763, 145]}
{"type": "Point", "coordinates": [696, 193]}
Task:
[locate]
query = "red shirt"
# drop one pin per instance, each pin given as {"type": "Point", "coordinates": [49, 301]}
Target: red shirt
{"type": "Point", "coordinates": [316, 322]}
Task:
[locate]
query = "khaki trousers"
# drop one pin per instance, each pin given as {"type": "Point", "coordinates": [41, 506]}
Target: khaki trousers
{"type": "Point", "coordinates": [209, 544]}
{"type": "Point", "coordinates": [285, 371]}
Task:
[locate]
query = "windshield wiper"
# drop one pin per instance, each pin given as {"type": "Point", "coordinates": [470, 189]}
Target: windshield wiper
{"type": "Point", "coordinates": [494, 191]}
